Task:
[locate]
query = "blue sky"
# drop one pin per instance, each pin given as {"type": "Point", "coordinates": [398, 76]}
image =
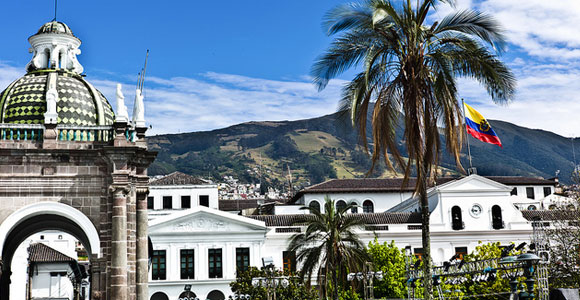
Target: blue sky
{"type": "Point", "coordinates": [218, 63]}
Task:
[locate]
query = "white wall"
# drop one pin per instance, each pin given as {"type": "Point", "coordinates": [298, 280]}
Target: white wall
{"type": "Point", "coordinates": [46, 286]}
{"type": "Point", "coordinates": [176, 191]}
{"type": "Point", "coordinates": [381, 201]}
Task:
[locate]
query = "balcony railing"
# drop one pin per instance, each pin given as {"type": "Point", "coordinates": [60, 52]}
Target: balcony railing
{"type": "Point", "coordinates": [35, 132]}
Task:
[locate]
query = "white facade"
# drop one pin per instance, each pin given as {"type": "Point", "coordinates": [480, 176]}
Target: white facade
{"type": "Point", "coordinates": [49, 280]}
{"type": "Point", "coordinates": [203, 230]}
{"type": "Point", "coordinates": [176, 192]}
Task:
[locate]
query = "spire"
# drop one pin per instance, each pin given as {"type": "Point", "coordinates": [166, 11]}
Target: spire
{"type": "Point", "coordinates": [55, 47]}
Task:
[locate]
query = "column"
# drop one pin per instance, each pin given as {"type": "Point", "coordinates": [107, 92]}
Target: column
{"type": "Point", "coordinates": [119, 244]}
{"type": "Point", "coordinates": [142, 275]}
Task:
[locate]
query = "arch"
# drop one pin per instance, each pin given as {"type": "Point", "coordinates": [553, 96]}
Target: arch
{"type": "Point", "coordinates": [456, 218]}
{"type": "Point", "coordinates": [368, 207]}
{"type": "Point", "coordinates": [340, 204]}
{"type": "Point", "coordinates": [187, 295]}
{"type": "Point", "coordinates": [216, 295]}
{"type": "Point", "coordinates": [63, 213]}
{"type": "Point", "coordinates": [159, 296]}
{"type": "Point", "coordinates": [354, 208]}
{"type": "Point", "coordinates": [496, 219]}
{"type": "Point", "coordinates": [314, 205]}
{"type": "Point", "coordinates": [532, 207]}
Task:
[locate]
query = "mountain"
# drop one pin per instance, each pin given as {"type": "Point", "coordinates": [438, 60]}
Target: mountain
{"type": "Point", "coordinates": [313, 150]}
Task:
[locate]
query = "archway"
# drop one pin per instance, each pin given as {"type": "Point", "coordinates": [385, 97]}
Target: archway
{"type": "Point", "coordinates": [216, 295]}
{"type": "Point", "coordinates": [36, 218]}
{"type": "Point", "coordinates": [159, 296]}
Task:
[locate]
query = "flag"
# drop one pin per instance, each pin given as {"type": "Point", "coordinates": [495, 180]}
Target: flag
{"type": "Point", "coordinates": [478, 126]}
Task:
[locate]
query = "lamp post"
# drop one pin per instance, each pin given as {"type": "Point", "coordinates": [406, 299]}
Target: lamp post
{"type": "Point", "coordinates": [530, 260]}
{"type": "Point", "coordinates": [271, 283]}
{"type": "Point", "coordinates": [367, 280]}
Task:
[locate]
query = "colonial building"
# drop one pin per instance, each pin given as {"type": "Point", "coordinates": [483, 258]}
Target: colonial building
{"type": "Point", "coordinates": [69, 163]}
{"type": "Point", "coordinates": [203, 247]}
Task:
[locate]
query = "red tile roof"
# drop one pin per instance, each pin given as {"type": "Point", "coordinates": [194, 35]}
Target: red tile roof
{"type": "Point", "coordinates": [39, 252]}
{"type": "Point", "coordinates": [177, 178]}
{"type": "Point", "coordinates": [369, 219]}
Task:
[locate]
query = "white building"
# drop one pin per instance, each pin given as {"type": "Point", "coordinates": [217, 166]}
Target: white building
{"type": "Point", "coordinates": [203, 247]}
{"type": "Point", "coordinates": [180, 191]}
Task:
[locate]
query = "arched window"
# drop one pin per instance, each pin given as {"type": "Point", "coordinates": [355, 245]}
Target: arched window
{"type": "Point", "coordinates": [368, 207]}
{"type": "Point", "coordinates": [552, 207]}
{"type": "Point", "coordinates": [340, 205]}
{"type": "Point", "coordinates": [314, 205]}
{"type": "Point", "coordinates": [496, 220]}
{"type": "Point", "coordinates": [532, 207]}
{"type": "Point", "coordinates": [456, 219]}
{"type": "Point", "coordinates": [159, 296]}
{"type": "Point", "coordinates": [571, 207]}
{"type": "Point", "coordinates": [354, 208]}
{"type": "Point", "coordinates": [216, 295]}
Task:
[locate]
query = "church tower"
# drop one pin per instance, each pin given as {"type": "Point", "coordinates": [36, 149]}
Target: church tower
{"type": "Point", "coordinates": [69, 163]}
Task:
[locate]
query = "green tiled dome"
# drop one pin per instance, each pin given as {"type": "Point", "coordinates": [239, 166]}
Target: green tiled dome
{"type": "Point", "coordinates": [78, 104]}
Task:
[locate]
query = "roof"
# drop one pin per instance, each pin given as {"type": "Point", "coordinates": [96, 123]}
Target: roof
{"type": "Point", "coordinates": [55, 27]}
{"type": "Point", "coordinates": [517, 180]}
{"type": "Point", "coordinates": [550, 215]}
{"type": "Point", "coordinates": [374, 218]}
{"type": "Point", "coordinates": [396, 184]}
{"type": "Point", "coordinates": [240, 204]}
{"type": "Point", "coordinates": [40, 253]}
{"type": "Point", "coordinates": [177, 178]}
{"type": "Point", "coordinates": [364, 185]}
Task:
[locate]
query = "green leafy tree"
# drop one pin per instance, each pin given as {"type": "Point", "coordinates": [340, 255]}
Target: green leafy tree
{"type": "Point", "coordinates": [410, 67]}
{"type": "Point", "coordinates": [295, 290]}
{"type": "Point", "coordinates": [390, 259]}
{"type": "Point", "coordinates": [329, 247]}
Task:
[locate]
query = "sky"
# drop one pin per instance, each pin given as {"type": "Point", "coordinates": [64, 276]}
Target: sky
{"type": "Point", "coordinates": [213, 64]}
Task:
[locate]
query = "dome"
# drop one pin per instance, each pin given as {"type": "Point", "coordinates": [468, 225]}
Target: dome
{"type": "Point", "coordinates": [55, 27]}
{"type": "Point", "coordinates": [78, 102]}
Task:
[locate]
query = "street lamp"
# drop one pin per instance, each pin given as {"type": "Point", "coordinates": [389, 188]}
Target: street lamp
{"type": "Point", "coordinates": [367, 279]}
{"type": "Point", "coordinates": [271, 283]}
{"type": "Point", "coordinates": [530, 260]}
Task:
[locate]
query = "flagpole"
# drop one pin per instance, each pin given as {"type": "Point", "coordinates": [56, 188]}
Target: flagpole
{"type": "Point", "coordinates": [470, 170]}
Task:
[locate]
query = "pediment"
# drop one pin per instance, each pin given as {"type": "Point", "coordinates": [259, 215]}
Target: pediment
{"type": "Point", "coordinates": [200, 220]}
{"type": "Point", "coordinates": [474, 183]}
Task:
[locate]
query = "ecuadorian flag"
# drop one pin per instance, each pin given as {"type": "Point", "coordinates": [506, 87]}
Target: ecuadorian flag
{"type": "Point", "coordinates": [478, 126]}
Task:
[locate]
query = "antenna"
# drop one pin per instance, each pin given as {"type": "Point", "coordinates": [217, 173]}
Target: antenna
{"type": "Point", "coordinates": [142, 77]}
{"type": "Point", "coordinates": [55, 5]}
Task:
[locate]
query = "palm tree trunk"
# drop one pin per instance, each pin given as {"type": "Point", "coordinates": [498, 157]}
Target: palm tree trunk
{"type": "Point", "coordinates": [335, 284]}
{"type": "Point", "coordinates": [426, 238]}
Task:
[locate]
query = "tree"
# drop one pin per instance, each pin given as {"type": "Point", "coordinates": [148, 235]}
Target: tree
{"type": "Point", "coordinates": [410, 67]}
{"type": "Point", "coordinates": [390, 259]}
{"type": "Point", "coordinates": [295, 290]}
{"type": "Point", "coordinates": [329, 246]}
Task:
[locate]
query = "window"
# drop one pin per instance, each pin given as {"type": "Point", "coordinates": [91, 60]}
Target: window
{"type": "Point", "coordinates": [167, 202]}
{"type": "Point", "coordinates": [460, 252]}
{"type": "Point", "coordinates": [531, 207]}
{"type": "Point", "coordinates": [204, 200]}
{"type": "Point", "coordinates": [158, 266]}
{"type": "Point", "coordinates": [242, 259]}
{"type": "Point", "coordinates": [368, 207]}
{"type": "Point", "coordinates": [354, 208]}
{"type": "Point", "coordinates": [530, 192]}
{"type": "Point", "coordinates": [150, 202]}
{"type": "Point", "coordinates": [418, 252]}
{"type": "Point", "coordinates": [289, 261]}
{"type": "Point", "coordinates": [547, 191]}
{"type": "Point", "coordinates": [185, 201]}
{"type": "Point", "coordinates": [514, 191]}
{"type": "Point", "coordinates": [187, 258]}
{"type": "Point", "coordinates": [456, 218]}
{"type": "Point", "coordinates": [340, 205]}
{"type": "Point", "coordinates": [552, 207]}
{"type": "Point", "coordinates": [214, 257]}
{"type": "Point", "coordinates": [314, 205]}
{"type": "Point", "coordinates": [496, 220]}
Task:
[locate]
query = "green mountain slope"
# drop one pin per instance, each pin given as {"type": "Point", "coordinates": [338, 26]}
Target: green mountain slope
{"type": "Point", "coordinates": [314, 150]}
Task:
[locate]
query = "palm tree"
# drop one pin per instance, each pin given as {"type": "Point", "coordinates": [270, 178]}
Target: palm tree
{"type": "Point", "coordinates": [409, 67]}
{"type": "Point", "coordinates": [329, 247]}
